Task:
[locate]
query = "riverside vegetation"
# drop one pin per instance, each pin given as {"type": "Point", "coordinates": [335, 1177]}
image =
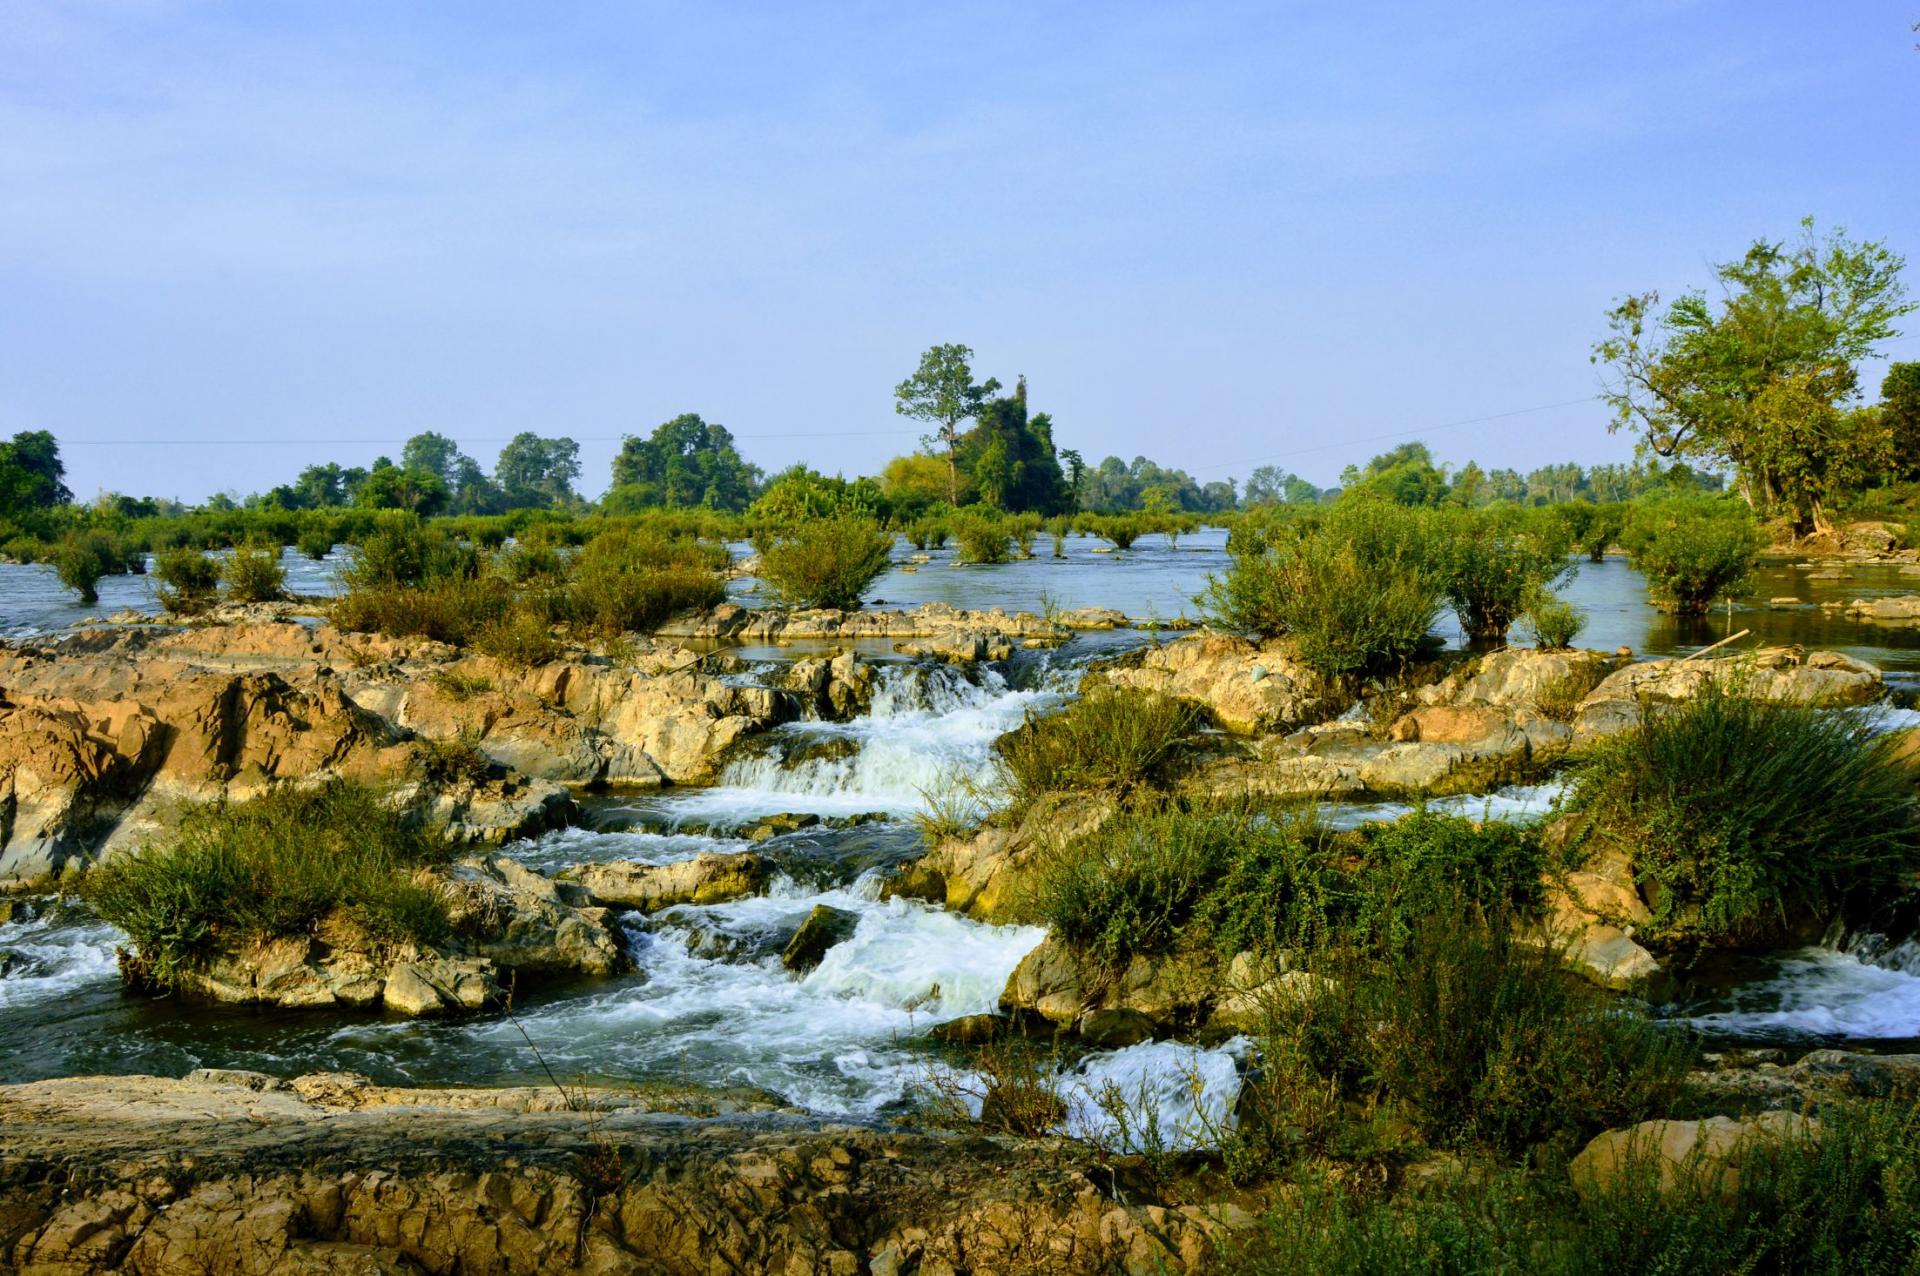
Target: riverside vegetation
{"type": "Point", "coordinates": [1445, 1035]}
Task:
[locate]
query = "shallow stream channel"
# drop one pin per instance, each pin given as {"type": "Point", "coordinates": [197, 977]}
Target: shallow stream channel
{"type": "Point", "coordinates": [709, 1003]}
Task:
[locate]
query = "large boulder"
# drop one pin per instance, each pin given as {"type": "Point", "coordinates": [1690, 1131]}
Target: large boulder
{"type": "Point", "coordinates": [1592, 915]}
{"type": "Point", "coordinates": [1249, 689]}
{"type": "Point", "coordinates": [1065, 987]}
{"type": "Point", "coordinates": [984, 873]}
{"type": "Point", "coordinates": [824, 927]}
{"type": "Point", "coordinates": [1522, 679]}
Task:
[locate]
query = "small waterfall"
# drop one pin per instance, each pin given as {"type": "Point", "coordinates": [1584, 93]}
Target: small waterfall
{"type": "Point", "coordinates": [930, 730]}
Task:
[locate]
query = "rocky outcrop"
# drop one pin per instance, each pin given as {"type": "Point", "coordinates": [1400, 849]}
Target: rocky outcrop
{"type": "Point", "coordinates": [1787, 674]}
{"type": "Point", "coordinates": [238, 1173]}
{"type": "Point", "coordinates": [982, 874]}
{"type": "Point", "coordinates": [1249, 689]}
{"type": "Point", "coordinates": [1069, 990]}
{"type": "Point", "coordinates": [1697, 1156]}
{"type": "Point", "coordinates": [103, 734]}
{"type": "Point", "coordinates": [1592, 915]}
{"type": "Point", "coordinates": [1522, 681]}
{"type": "Point", "coordinates": [711, 877]}
{"type": "Point", "coordinates": [506, 920]}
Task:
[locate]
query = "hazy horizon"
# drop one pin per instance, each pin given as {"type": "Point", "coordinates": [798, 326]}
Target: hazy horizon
{"type": "Point", "coordinates": [237, 240]}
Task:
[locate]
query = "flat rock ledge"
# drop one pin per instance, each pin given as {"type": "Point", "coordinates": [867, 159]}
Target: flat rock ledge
{"type": "Point", "coordinates": [242, 1174]}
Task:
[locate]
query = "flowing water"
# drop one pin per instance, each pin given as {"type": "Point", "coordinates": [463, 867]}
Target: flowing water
{"type": "Point", "coordinates": [709, 1002]}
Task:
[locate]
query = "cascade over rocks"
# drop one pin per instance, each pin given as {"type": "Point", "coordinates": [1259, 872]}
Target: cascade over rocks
{"type": "Point", "coordinates": [244, 1174]}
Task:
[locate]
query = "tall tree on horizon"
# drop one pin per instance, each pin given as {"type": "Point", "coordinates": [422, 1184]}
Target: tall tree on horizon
{"type": "Point", "coordinates": [942, 391]}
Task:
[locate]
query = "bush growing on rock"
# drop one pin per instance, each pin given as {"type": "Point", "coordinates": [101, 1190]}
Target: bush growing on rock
{"type": "Point", "coordinates": [188, 579]}
{"type": "Point", "coordinates": [1693, 552]}
{"type": "Point", "coordinates": [252, 574]}
{"type": "Point", "coordinates": [1357, 590]}
{"type": "Point", "coordinates": [1234, 879]}
{"type": "Point", "coordinates": [276, 866]}
{"type": "Point", "coordinates": [827, 562]}
{"type": "Point", "coordinates": [1111, 740]}
{"type": "Point", "coordinates": [1743, 817]}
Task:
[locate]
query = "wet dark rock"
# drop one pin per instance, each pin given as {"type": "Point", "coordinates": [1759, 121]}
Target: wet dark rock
{"type": "Point", "coordinates": [971, 1030]}
{"type": "Point", "coordinates": [824, 927]}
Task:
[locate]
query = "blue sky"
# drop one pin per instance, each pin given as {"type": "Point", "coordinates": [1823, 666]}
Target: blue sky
{"type": "Point", "coordinates": [1216, 234]}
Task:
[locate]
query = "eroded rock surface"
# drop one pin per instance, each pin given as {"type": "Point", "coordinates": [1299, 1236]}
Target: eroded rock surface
{"type": "Point", "coordinates": [234, 1173]}
{"type": "Point", "coordinates": [1249, 689]}
{"type": "Point", "coordinates": [106, 732]}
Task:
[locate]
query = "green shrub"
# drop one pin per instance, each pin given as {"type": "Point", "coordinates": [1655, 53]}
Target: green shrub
{"type": "Point", "coordinates": [403, 551]}
{"type": "Point", "coordinates": [1481, 1038]}
{"type": "Point", "coordinates": [276, 866]}
{"type": "Point", "coordinates": [252, 574]}
{"type": "Point", "coordinates": [1112, 740]}
{"type": "Point", "coordinates": [1357, 590]}
{"type": "Point", "coordinates": [627, 580]}
{"type": "Point", "coordinates": [981, 537]}
{"type": "Point", "coordinates": [455, 760]}
{"type": "Point", "coordinates": [1742, 816]}
{"type": "Point", "coordinates": [1057, 529]}
{"type": "Point", "coordinates": [189, 579]}
{"type": "Point", "coordinates": [1496, 562]}
{"type": "Point", "coordinates": [518, 637]}
{"type": "Point", "coordinates": [315, 541]}
{"type": "Point", "coordinates": [1238, 879]}
{"type": "Point", "coordinates": [79, 566]}
{"type": "Point", "coordinates": [1119, 530]}
{"type": "Point", "coordinates": [449, 610]}
{"type": "Point", "coordinates": [827, 562]}
{"type": "Point", "coordinates": [1602, 531]}
{"type": "Point", "coordinates": [1693, 552]}
{"type": "Point", "coordinates": [1552, 622]}
{"type": "Point", "coordinates": [1025, 529]}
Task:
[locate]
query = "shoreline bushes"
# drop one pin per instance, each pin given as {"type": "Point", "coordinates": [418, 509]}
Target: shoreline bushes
{"type": "Point", "coordinates": [252, 574]}
{"type": "Point", "coordinates": [188, 580]}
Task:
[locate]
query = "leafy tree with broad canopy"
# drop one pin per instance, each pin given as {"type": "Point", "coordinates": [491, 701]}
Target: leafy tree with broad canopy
{"type": "Point", "coordinates": [687, 462]}
{"type": "Point", "coordinates": [942, 391]}
{"type": "Point", "coordinates": [534, 472]}
{"type": "Point", "coordinates": [1764, 380]}
{"type": "Point", "coordinates": [32, 475]}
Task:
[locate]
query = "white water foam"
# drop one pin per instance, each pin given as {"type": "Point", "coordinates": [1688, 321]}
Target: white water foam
{"type": "Point", "coordinates": [563, 848]}
{"type": "Point", "coordinates": [1515, 804]}
{"type": "Point", "coordinates": [1163, 1094]}
{"type": "Point", "coordinates": [1823, 993]}
{"type": "Point", "coordinates": [930, 731]}
{"type": "Point", "coordinates": [51, 960]}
